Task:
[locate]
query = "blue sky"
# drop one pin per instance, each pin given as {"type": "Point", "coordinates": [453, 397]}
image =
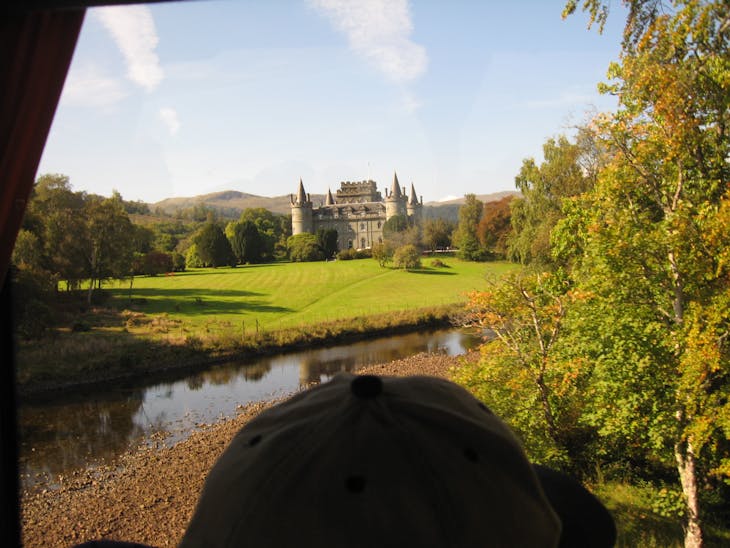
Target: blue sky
{"type": "Point", "coordinates": [187, 98]}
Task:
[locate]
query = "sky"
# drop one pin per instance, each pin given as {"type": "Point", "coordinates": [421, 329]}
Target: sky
{"type": "Point", "coordinates": [187, 98]}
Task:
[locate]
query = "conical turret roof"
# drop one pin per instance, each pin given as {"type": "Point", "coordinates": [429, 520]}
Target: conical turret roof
{"type": "Point", "coordinates": [395, 191]}
{"type": "Point", "coordinates": [329, 200]}
{"type": "Point", "coordinates": [413, 200]}
{"type": "Point", "coordinates": [301, 195]}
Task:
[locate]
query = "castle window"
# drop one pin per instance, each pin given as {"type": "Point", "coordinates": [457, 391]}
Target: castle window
{"type": "Point", "coordinates": [363, 242]}
{"type": "Point", "coordinates": [379, 224]}
{"type": "Point", "coordinates": [349, 244]}
{"type": "Point", "coordinates": [362, 226]}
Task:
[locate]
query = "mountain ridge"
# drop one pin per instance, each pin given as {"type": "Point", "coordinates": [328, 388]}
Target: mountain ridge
{"type": "Point", "coordinates": [233, 202]}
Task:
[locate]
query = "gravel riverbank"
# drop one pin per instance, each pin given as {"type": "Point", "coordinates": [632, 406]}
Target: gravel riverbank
{"type": "Point", "coordinates": [150, 494]}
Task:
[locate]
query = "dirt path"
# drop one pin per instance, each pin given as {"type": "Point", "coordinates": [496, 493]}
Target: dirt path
{"type": "Point", "coordinates": [150, 496]}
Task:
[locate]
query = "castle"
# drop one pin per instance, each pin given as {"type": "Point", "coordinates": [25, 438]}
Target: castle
{"type": "Point", "coordinates": [357, 213]}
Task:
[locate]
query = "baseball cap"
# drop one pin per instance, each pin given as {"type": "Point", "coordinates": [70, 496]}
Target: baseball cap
{"type": "Point", "coordinates": [365, 461]}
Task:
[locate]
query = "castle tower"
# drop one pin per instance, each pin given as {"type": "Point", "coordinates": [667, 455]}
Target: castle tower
{"type": "Point", "coordinates": [329, 200]}
{"type": "Point", "coordinates": [395, 201]}
{"type": "Point", "coordinates": [414, 208]}
{"type": "Point", "coordinates": [301, 212]}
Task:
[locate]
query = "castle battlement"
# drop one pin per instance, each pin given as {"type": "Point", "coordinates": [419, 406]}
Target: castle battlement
{"type": "Point", "coordinates": [358, 192]}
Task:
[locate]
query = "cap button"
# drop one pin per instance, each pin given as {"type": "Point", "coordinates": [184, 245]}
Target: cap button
{"type": "Point", "coordinates": [366, 386]}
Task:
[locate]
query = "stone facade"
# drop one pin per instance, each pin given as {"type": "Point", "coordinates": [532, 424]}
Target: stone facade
{"type": "Point", "coordinates": [357, 213]}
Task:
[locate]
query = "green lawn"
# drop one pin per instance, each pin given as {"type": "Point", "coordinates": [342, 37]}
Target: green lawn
{"type": "Point", "coordinates": [285, 295]}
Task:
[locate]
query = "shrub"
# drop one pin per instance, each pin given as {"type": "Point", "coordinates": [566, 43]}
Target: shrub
{"type": "Point", "coordinates": [407, 257]}
{"type": "Point", "coordinates": [304, 248]}
{"type": "Point", "coordinates": [346, 255]}
{"type": "Point", "coordinates": [366, 253]}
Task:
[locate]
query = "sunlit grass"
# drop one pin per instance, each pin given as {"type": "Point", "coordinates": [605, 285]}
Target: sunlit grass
{"type": "Point", "coordinates": [285, 295]}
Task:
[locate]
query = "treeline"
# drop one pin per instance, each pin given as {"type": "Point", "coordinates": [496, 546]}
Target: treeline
{"type": "Point", "coordinates": [69, 239]}
{"type": "Point", "coordinates": [258, 236]}
{"type": "Point", "coordinates": [611, 348]}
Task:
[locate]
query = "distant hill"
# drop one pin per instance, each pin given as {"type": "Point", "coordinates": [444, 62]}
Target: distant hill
{"type": "Point", "coordinates": [449, 209]}
{"type": "Point", "coordinates": [230, 203]}
{"type": "Point", "coordinates": [493, 197]}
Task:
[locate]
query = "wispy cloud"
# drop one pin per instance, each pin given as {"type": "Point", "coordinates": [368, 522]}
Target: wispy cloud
{"type": "Point", "coordinates": [170, 119]}
{"type": "Point", "coordinates": [133, 31]}
{"type": "Point", "coordinates": [88, 86]}
{"type": "Point", "coordinates": [379, 31]}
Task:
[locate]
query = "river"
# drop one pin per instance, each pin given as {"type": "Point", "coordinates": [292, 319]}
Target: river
{"type": "Point", "coordinates": [86, 429]}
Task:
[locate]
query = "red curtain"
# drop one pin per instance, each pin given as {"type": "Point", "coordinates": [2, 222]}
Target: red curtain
{"type": "Point", "coordinates": [36, 48]}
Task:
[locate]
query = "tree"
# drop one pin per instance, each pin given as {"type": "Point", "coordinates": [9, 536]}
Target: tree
{"type": "Point", "coordinates": [246, 241]}
{"type": "Point", "coordinates": [304, 248]}
{"type": "Point", "coordinates": [273, 229]}
{"type": "Point", "coordinates": [109, 241]}
{"type": "Point", "coordinates": [143, 238]}
{"type": "Point", "coordinates": [327, 239]}
{"type": "Point", "coordinates": [383, 252]}
{"type": "Point", "coordinates": [495, 227]}
{"type": "Point", "coordinates": [525, 372]}
{"type": "Point", "coordinates": [533, 216]}
{"type": "Point", "coordinates": [407, 257]}
{"type": "Point", "coordinates": [27, 252]}
{"type": "Point", "coordinates": [192, 259]}
{"type": "Point", "coordinates": [397, 223]}
{"type": "Point", "coordinates": [212, 246]}
{"type": "Point", "coordinates": [400, 230]}
{"type": "Point", "coordinates": [437, 233]}
{"type": "Point", "coordinates": [655, 241]}
{"type": "Point", "coordinates": [56, 216]}
{"type": "Point", "coordinates": [178, 262]}
{"type": "Point", "coordinates": [465, 236]}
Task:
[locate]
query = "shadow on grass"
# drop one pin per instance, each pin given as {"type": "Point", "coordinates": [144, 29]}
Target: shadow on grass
{"type": "Point", "coordinates": [196, 301]}
{"type": "Point", "coordinates": [430, 272]}
{"type": "Point", "coordinates": [220, 270]}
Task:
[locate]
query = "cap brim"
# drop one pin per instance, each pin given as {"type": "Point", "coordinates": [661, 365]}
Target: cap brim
{"type": "Point", "coordinates": [586, 522]}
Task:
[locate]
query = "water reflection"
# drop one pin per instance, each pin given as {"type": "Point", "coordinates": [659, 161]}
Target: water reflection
{"type": "Point", "coordinates": [55, 438]}
{"type": "Point", "coordinates": [88, 429]}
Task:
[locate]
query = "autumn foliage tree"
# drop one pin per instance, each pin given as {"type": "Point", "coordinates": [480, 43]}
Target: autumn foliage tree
{"type": "Point", "coordinates": [637, 218]}
{"type": "Point", "coordinates": [526, 373]}
{"type": "Point", "coordinates": [494, 227]}
{"type": "Point", "coordinates": [654, 240]}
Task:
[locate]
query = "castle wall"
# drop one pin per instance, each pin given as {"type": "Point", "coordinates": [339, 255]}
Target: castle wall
{"type": "Point", "coordinates": [358, 214]}
{"type": "Point", "coordinates": [356, 230]}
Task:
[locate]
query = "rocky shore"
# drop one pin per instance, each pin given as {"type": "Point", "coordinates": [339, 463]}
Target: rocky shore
{"type": "Point", "coordinates": [150, 494]}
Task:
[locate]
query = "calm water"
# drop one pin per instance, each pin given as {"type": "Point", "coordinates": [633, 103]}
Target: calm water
{"type": "Point", "coordinates": [85, 430]}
